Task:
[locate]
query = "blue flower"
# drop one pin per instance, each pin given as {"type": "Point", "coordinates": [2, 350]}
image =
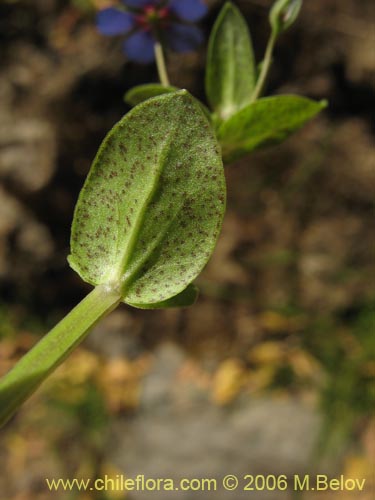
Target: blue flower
{"type": "Point", "coordinates": [145, 22]}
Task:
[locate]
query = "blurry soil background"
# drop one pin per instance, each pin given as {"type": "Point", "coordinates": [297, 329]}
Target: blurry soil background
{"type": "Point", "coordinates": [272, 371]}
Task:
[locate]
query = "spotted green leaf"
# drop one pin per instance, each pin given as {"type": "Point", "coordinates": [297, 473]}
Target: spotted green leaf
{"type": "Point", "coordinates": [231, 72]}
{"type": "Point", "coordinates": [141, 93]}
{"type": "Point", "coordinates": [266, 121]}
{"type": "Point", "coordinates": [151, 209]}
{"type": "Point", "coordinates": [186, 298]}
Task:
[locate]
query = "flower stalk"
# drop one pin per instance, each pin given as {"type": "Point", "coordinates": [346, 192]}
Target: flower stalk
{"type": "Point", "coordinates": [266, 65]}
{"type": "Point", "coordinates": [27, 375]}
{"type": "Point", "coordinates": [161, 65]}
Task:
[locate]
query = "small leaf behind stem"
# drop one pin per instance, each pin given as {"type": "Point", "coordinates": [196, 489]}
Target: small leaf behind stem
{"type": "Point", "coordinates": [141, 93]}
{"type": "Point", "coordinates": [151, 209]}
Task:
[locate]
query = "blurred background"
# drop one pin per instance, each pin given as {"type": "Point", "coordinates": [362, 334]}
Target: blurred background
{"type": "Point", "coordinates": [272, 371]}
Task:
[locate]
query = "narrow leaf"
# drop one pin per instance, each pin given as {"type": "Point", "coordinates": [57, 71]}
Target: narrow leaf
{"type": "Point", "coordinates": [231, 72]}
{"type": "Point", "coordinates": [151, 209]}
{"type": "Point", "coordinates": [141, 93]}
{"type": "Point", "coordinates": [267, 121]}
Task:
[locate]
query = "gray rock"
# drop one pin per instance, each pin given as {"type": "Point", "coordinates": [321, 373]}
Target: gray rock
{"type": "Point", "coordinates": [27, 153]}
{"type": "Point", "coordinates": [116, 336]}
{"type": "Point", "coordinates": [33, 239]}
{"type": "Point", "coordinates": [192, 438]}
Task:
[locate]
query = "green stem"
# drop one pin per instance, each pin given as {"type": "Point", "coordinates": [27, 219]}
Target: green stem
{"type": "Point", "coordinates": [160, 63]}
{"type": "Point", "coordinates": [20, 382]}
{"type": "Point", "coordinates": [265, 68]}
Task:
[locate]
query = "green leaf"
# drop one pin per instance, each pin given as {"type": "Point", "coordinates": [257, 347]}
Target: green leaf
{"type": "Point", "coordinates": [141, 93]}
{"type": "Point", "coordinates": [151, 209]}
{"type": "Point", "coordinates": [283, 14]}
{"type": "Point", "coordinates": [266, 121]}
{"type": "Point", "coordinates": [186, 298]}
{"type": "Point", "coordinates": [231, 72]}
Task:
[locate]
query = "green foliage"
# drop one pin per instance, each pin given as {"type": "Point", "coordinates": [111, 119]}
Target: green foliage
{"type": "Point", "coordinates": [88, 409]}
{"type": "Point", "coordinates": [141, 93]}
{"type": "Point", "coordinates": [7, 328]}
{"type": "Point", "coordinates": [267, 121]}
{"type": "Point", "coordinates": [242, 121]}
{"type": "Point", "coordinates": [231, 72]}
{"type": "Point", "coordinates": [150, 212]}
{"type": "Point", "coordinates": [350, 362]}
{"type": "Point", "coordinates": [347, 353]}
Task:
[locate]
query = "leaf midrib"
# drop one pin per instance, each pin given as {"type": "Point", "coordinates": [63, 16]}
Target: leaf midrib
{"type": "Point", "coordinates": [120, 276]}
{"type": "Point", "coordinates": [133, 272]}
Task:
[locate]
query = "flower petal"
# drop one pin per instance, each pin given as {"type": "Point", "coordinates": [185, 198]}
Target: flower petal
{"type": "Point", "coordinates": [140, 47]}
{"type": "Point", "coordinates": [113, 21]}
{"type": "Point", "coordinates": [183, 38]}
{"type": "Point", "coordinates": [139, 3]}
{"type": "Point", "coordinates": [189, 10]}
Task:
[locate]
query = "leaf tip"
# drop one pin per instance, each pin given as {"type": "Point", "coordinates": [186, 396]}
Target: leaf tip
{"type": "Point", "coordinates": [228, 9]}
